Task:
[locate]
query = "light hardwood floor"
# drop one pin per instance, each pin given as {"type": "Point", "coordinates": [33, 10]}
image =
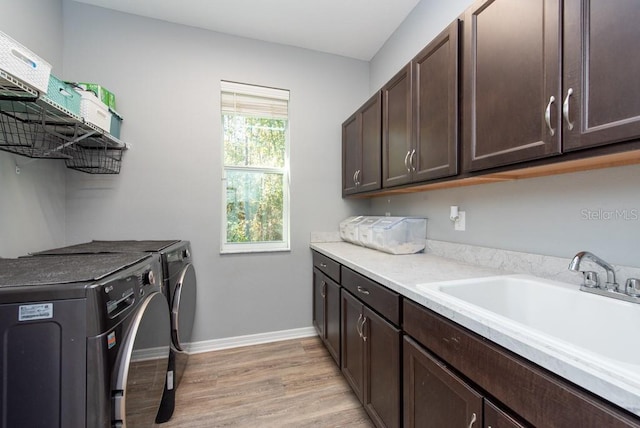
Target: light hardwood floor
{"type": "Point", "coordinates": [292, 383]}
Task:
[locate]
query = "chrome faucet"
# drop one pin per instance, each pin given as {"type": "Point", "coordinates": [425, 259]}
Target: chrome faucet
{"type": "Point", "coordinates": [591, 278]}
{"type": "Point", "coordinates": [611, 288]}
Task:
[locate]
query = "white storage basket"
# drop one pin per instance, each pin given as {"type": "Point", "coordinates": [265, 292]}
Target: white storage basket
{"type": "Point", "coordinates": [23, 64]}
{"type": "Point", "coordinates": [95, 111]}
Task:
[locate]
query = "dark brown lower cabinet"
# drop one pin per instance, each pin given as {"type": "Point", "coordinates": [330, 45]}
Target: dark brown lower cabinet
{"type": "Point", "coordinates": [496, 418]}
{"type": "Point", "coordinates": [435, 397]}
{"type": "Point", "coordinates": [332, 320]}
{"type": "Point", "coordinates": [326, 312]}
{"type": "Point", "coordinates": [352, 344]}
{"type": "Point", "coordinates": [530, 392]}
{"type": "Point", "coordinates": [371, 360]}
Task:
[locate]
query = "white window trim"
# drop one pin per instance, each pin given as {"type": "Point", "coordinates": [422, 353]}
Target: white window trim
{"type": "Point", "coordinates": [257, 247]}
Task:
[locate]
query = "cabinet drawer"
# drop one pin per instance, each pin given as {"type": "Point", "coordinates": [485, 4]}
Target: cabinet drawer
{"type": "Point", "coordinates": [538, 396]}
{"type": "Point", "coordinates": [378, 297]}
{"type": "Point", "coordinates": [329, 267]}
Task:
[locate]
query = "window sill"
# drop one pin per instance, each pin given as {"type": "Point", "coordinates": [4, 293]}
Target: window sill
{"type": "Point", "coordinates": [254, 250]}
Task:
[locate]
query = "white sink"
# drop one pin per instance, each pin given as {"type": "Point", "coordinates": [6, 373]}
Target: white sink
{"type": "Point", "coordinates": [558, 311]}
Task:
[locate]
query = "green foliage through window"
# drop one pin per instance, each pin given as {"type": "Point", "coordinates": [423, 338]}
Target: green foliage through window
{"type": "Point", "coordinates": [255, 162]}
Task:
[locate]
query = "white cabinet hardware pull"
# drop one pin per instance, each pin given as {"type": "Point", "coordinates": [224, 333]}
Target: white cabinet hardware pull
{"type": "Point", "coordinates": [547, 116]}
{"type": "Point", "coordinates": [358, 326]}
{"type": "Point", "coordinates": [363, 290]}
{"type": "Point", "coordinates": [473, 420]}
{"type": "Point", "coordinates": [354, 178]}
{"type": "Point", "coordinates": [565, 109]}
{"type": "Point", "coordinates": [324, 289]}
{"type": "Point", "coordinates": [323, 265]}
{"type": "Point", "coordinates": [413, 152]}
{"type": "Point", "coordinates": [406, 161]}
{"type": "Point", "coordinates": [364, 321]}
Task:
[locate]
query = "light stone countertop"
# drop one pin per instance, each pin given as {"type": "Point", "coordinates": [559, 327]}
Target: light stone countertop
{"type": "Point", "coordinates": [402, 273]}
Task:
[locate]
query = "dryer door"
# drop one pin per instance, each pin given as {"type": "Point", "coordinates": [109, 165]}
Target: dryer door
{"type": "Point", "coordinates": [183, 307]}
{"type": "Point", "coordinates": [142, 365]}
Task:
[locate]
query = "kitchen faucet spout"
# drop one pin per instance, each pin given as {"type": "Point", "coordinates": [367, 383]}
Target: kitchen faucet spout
{"type": "Point", "coordinates": [611, 283]}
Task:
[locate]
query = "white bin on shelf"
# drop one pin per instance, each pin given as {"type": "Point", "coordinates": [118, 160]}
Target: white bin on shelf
{"type": "Point", "coordinates": [95, 111]}
{"type": "Point", "coordinates": [23, 64]}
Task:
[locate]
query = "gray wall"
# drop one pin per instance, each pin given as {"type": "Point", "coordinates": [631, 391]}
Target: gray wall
{"type": "Point", "coordinates": [425, 21]}
{"type": "Point", "coordinates": [166, 80]}
{"type": "Point", "coordinates": [561, 215]}
{"type": "Point", "coordinates": [32, 204]}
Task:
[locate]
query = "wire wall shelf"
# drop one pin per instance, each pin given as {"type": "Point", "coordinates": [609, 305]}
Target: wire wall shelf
{"type": "Point", "coordinates": [36, 127]}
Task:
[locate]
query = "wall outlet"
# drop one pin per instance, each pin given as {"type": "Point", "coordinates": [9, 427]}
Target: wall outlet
{"type": "Point", "coordinates": [460, 223]}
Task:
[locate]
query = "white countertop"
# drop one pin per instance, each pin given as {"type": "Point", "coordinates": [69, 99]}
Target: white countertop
{"type": "Point", "coordinates": [402, 273]}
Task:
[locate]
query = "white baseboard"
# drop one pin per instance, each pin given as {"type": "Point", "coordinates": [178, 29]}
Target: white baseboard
{"type": "Point", "coordinates": [147, 354]}
{"type": "Point", "coordinates": [251, 339]}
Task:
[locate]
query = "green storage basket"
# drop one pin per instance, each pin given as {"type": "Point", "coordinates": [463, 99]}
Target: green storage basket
{"type": "Point", "coordinates": [116, 123]}
{"type": "Point", "coordinates": [64, 95]}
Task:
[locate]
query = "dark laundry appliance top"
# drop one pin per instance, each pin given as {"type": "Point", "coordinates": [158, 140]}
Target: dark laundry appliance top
{"type": "Point", "coordinates": [96, 247]}
{"type": "Point", "coordinates": [63, 269]}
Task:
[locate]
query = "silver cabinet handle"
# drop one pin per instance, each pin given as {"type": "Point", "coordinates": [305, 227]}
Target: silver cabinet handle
{"type": "Point", "coordinates": [406, 161]}
{"type": "Point", "coordinates": [473, 420]}
{"type": "Point", "coordinates": [363, 290]}
{"type": "Point", "coordinates": [547, 116]}
{"type": "Point", "coordinates": [355, 182]}
{"type": "Point", "coordinates": [323, 265]}
{"type": "Point", "coordinates": [358, 326]}
{"type": "Point", "coordinates": [364, 321]}
{"type": "Point", "coordinates": [324, 289]}
{"type": "Point", "coordinates": [565, 109]}
{"type": "Point", "coordinates": [413, 152]}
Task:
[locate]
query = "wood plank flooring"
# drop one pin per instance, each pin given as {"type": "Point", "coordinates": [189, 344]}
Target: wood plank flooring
{"type": "Point", "coordinates": [292, 383]}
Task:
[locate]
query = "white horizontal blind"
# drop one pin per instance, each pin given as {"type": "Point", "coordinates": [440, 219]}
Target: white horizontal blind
{"type": "Point", "coordinates": [255, 101]}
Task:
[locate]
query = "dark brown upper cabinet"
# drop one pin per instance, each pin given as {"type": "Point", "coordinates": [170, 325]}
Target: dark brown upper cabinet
{"type": "Point", "coordinates": [511, 85]}
{"type": "Point", "coordinates": [511, 90]}
{"type": "Point", "coordinates": [397, 129]}
{"type": "Point", "coordinates": [435, 107]}
{"type": "Point", "coordinates": [361, 148]}
{"type": "Point", "coordinates": [601, 103]}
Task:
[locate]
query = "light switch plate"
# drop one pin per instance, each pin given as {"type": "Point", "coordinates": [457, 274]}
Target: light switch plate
{"type": "Point", "coordinates": [460, 223]}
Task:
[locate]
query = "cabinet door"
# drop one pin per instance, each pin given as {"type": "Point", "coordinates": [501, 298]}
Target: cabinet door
{"type": "Point", "coordinates": [433, 396]}
{"type": "Point", "coordinates": [351, 153]}
{"type": "Point", "coordinates": [361, 148]}
{"type": "Point", "coordinates": [435, 107]}
{"type": "Point", "coordinates": [382, 370]}
{"type": "Point", "coordinates": [511, 88]}
{"type": "Point", "coordinates": [369, 176]}
{"type": "Point", "coordinates": [332, 319]}
{"type": "Point", "coordinates": [319, 292]}
{"type": "Point", "coordinates": [496, 418]}
{"type": "Point", "coordinates": [352, 343]}
{"type": "Point", "coordinates": [601, 68]}
{"type": "Point", "coordinates": [396, 129]}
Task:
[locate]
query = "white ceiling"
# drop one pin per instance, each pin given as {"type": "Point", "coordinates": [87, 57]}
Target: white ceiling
{"type": "Point", "coordinates": [352, 28]}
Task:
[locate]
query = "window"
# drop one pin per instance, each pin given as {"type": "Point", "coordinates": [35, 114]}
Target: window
{"type": "Point", "coordinates": [255, 128]}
